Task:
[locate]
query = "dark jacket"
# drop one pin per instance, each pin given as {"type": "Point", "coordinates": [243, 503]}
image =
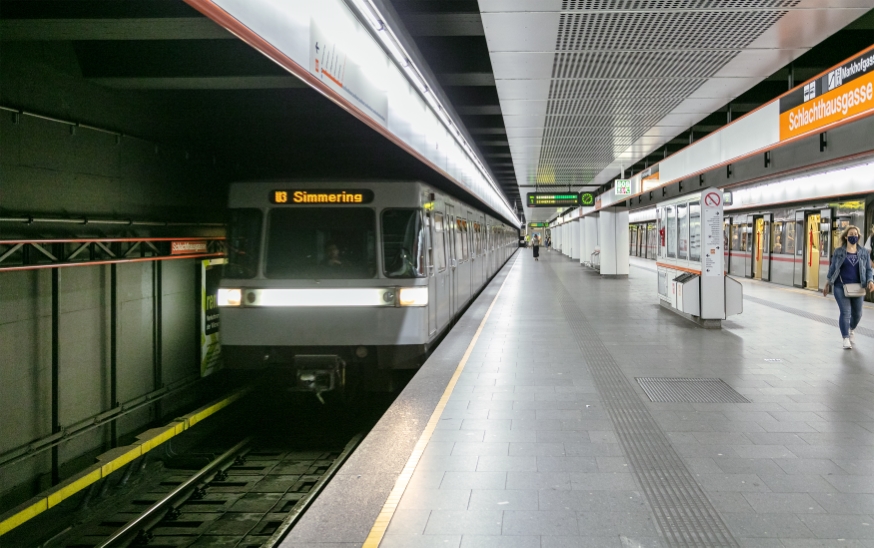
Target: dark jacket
{"type": "Point", "coordinates": [865, 272]}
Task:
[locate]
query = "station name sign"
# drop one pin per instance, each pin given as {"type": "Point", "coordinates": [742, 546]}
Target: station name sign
{"type": "Point", "coordinates": [321, 197]}
{"type": "Point", "coordinates": [844, 92]}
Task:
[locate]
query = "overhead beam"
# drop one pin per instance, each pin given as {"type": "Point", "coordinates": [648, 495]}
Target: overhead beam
{"type": "Point", "coordinates": [205, 82]}
{"type": "Point", "coordinates": [479, 110]}
{"type": "Point", "coordinates": [467, 79]}
{"type": "Point", "coordinates": [445, 24]}
{"type": "Point", "coordinates": [153, 28]}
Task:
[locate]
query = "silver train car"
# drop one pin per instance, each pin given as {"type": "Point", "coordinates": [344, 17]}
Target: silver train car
{"type": "Point", "coordinates": [342, 283]}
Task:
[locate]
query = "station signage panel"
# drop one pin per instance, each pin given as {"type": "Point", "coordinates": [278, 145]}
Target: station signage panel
{"type": "Point", "coordinates": [551, 199]}
{"type": "Point", "coordinates": [843, 92]}
{"type": "Point", "coordinates": [622, 187]}
{"type": "Point", "coordinates": [321, 197]}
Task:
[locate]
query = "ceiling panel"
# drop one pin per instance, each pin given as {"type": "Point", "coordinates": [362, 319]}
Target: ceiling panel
{"type": "Point", "coordinates": [604, 83]}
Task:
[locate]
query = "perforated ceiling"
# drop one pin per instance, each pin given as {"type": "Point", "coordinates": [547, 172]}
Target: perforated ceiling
{"type": "Point", "coordinates": [596, 49]}
{"type": "Point", "coordinates": [597, 85]}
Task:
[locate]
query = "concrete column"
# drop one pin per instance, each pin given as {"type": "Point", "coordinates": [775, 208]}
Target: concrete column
{"type": "Point", "coordinates": [613, 228]}
{"type": "Point", "coordinates": [575, 235]}
{"type": "Point", "coordinates": [591, 234]}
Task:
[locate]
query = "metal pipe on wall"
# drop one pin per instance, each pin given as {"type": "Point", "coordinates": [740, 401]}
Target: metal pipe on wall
{"type": "Point", "coordinates": [113, 350]}
{"type": "Point", "coordinates": [56, 370]}
{"type": "Point", "coordinates": [157, 343]}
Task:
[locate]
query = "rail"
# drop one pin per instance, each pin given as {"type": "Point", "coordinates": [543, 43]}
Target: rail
{"type": "Point", "coordinates": [305, 502]}
{"type": "Point", "coordinates": [112, 461]}
{"type": "Point", "coordinates": [157, 511]}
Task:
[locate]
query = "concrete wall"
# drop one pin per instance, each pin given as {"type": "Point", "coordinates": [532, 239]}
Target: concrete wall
{"type": "Point", "coordinates": [49, 169]}
{"type": "Point", "coordinates": [25, 344]}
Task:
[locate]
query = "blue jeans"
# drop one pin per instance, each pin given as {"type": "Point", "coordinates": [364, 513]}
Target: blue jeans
{"type": "Point", "coordinates": [851, 310]}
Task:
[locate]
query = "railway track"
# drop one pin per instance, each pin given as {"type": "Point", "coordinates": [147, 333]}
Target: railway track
{"type": "Point", "coordinates": [249, 496]}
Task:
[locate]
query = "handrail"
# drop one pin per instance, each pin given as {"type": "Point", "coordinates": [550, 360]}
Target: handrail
{"type": "Point", "coordinates": [154, 509]}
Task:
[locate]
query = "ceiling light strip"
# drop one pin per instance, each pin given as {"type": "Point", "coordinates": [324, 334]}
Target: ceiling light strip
{"type": "Point", "coordinates": [396, 50]}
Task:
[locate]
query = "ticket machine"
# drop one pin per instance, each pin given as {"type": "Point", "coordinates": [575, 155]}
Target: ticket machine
{"type": "Point", "coordinates": [691, 261]}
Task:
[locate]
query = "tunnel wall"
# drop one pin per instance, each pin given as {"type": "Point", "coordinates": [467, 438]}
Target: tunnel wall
{"type": "Point", "coordinates": [51, 168]}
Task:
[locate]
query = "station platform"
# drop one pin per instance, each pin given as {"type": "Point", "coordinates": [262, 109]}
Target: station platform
{"type": "Point", "coordinates": [542, 435]}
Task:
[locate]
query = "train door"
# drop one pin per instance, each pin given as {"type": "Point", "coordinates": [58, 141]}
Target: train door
{"type": "Point", "coordinates": [799, 246]}
{"type": "Point", "coordinates": [765, 242]}
{"type": "Point", "coordinates": [825, 240]}
{"type": "Point", "coordinates": [432, 274]}
{"type": "Point", "coordinates": [761, 247]}
{"type": "Point", "coordinates": [443, 277]}
{"type": "Point", "coordinates": [651, 241]}
{"type": "Point", "coordinates": [746, 234]}
{"type": "Point", "coordinates": [453, 260]}
{"type": "Point", "coordinates": [726, 244]}
{"type": "Point", "coordinates": [812, 248]}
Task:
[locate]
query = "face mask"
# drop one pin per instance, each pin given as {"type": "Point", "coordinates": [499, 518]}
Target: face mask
{"type": "Point", "coordinates": [853, 239]}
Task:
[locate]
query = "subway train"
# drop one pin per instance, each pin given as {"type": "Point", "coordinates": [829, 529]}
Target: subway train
{"type": "Point", "coordinates": [782, 231]}
{"type": "Point", "coordinates": [341, 284]}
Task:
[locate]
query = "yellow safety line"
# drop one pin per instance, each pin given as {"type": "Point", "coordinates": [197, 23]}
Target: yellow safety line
{"type": "Point", "coordinates": [377, 532]}
{"type": "Point", "coordinates": [95, 473]}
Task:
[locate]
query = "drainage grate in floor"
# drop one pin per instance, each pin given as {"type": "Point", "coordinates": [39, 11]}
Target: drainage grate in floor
{"type": "Point", "coordinates": [682, 510]}
{"type": "Point", "coordinates": [689, 390]}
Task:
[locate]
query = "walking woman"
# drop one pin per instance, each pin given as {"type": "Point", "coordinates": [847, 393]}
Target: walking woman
{"type": "Point", "coordinates": [850, 274]}
{"type": "Point", "coordinates": [536, 245]}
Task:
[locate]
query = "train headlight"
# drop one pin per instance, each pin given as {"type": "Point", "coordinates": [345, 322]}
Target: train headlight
{"type": "Point", "coordinates": [413, 296]}
{"type": "Point", "coordinates": [230, 297]}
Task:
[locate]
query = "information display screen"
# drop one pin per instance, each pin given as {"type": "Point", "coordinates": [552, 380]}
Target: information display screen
{"type": "Point", "coordinates": [587, 199]}
{"type": "Point", "coordinates": [538, 225]}
{"type": "Point", "coordinates": [551, 199]}
{"type": "Point", "coordinates": [321, 197]}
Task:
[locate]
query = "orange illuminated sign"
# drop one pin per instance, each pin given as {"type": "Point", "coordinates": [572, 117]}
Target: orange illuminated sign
{"type": "Point", "coordinates": [321, 197]}
{"type": "Point", "coordinates": [843, 93]}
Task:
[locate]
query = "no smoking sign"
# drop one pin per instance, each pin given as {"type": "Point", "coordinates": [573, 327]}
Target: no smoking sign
{"type": "Point", "coordinates": [712, 199]}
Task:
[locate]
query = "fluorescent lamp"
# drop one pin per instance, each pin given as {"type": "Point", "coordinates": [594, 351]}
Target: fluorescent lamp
{"type": "Point", "coordinates": [229, 297]}
{"type": "Point", "coordinates": [389, 40]}
{"type": "Point", "coordinates": [322, 297]}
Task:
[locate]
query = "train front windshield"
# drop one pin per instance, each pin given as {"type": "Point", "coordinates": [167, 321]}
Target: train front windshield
{"type": "Point", "coordinates": [321, 243]}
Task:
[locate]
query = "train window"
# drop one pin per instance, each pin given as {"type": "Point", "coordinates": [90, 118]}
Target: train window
{"type": "Point", "coordinates": [243, 243]}
{"type": "Point", "coordinates": [672, 232]}
{"type": "Point", "coordinates": [439, 242]}
{"type": "Point", "coordinates": [321, 243]}
{"type": "Point", "coordinates": [403, 243]}
{"type": "Point", "coordinates": [777, 237]}
{"type": "Point", "coordinates": [461, 238]}
{"type": "Point", "coordinates": [735, 238]}
{"type": "Point", "coordinates": [695, 231]}
{"type": "Point", "coordinates": [683, 232]}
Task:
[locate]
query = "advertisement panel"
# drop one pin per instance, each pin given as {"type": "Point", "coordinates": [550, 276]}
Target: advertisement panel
{"type": "Point", "coordinates": [210, 340]}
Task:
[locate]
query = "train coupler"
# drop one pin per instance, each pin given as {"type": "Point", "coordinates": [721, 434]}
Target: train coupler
{"type": "Point", "coordinates": [319, 373]}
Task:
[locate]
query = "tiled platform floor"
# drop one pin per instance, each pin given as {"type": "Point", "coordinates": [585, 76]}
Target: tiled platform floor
{"type": "Point", "coordinates": [527, 456]}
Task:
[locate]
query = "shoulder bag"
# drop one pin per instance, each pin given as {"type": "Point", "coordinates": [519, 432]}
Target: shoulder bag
{"type": "Point", "coordinates": [853, 290]}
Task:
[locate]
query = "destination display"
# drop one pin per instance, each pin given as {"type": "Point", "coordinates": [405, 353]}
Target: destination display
{"type": "Point", "coordinates": [551, 199]}
{"type": "Point", "coordinates": [321, 197]}
{"type": "Point", "coordinates": [538, 225]}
